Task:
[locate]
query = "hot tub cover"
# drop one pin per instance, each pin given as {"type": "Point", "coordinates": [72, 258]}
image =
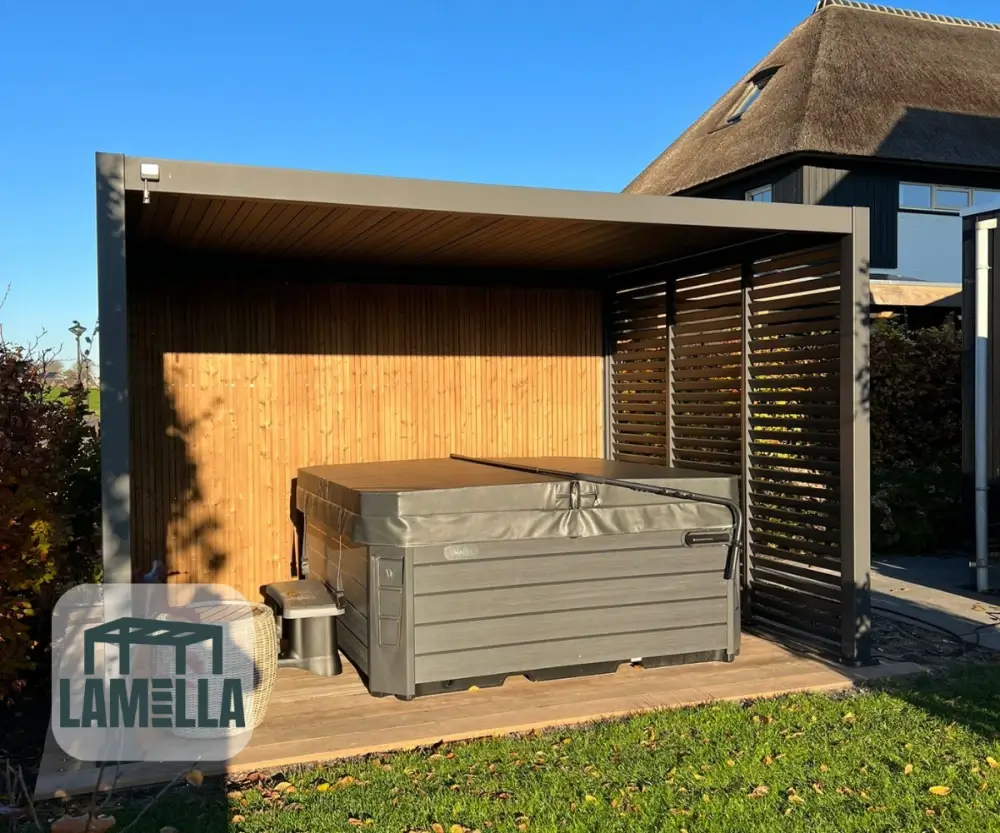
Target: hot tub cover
{"type": "Point", "coordinates": [444, 501]}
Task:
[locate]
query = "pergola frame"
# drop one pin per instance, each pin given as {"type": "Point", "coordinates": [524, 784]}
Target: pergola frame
{"type": "Point", "coordinates": [623, 244]}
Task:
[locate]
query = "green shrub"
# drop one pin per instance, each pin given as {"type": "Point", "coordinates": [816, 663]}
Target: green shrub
{"type": "Point", "coordinates": [49, 508]}
{"type": "Point", "coordinates": [916, 436]}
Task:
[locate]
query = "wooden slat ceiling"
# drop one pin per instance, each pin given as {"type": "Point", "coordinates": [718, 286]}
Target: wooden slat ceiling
{"type": "Point", "coordinates": [382, 236]}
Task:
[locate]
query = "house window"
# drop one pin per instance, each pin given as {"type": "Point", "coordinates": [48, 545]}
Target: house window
{"type": "Point", "coordinates": [944, 198]}
{"type": "Point", "coordinates": [985, 198]}
{"type": "Point", "coordinates": [750, 96]}
{"type": "Point", "coordinates": [763, 194]}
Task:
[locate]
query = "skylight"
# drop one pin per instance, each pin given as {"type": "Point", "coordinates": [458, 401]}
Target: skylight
{"type": "Point", "coordinates": [754, 89]}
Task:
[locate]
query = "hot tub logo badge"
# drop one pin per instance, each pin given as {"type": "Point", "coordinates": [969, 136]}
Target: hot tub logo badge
{"type": "Point", "coordinates": [188, 699]}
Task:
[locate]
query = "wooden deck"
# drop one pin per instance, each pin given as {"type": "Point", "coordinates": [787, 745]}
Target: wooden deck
{"type": "Point", "coordinates": [313, 719]}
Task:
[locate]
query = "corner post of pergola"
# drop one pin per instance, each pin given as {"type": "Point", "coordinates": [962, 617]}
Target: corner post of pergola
{"type": "Point", "coordinates": [115, 419]}
{"type": "Point", "coordinates": [855, 445]}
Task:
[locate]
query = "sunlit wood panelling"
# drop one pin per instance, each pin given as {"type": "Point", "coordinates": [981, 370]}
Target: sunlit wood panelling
{"type": "Point", "coordinates": [234, 388]}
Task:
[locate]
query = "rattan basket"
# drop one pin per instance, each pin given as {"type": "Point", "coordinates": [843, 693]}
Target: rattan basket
{"type": "Point", "coordinates": [250, 654]}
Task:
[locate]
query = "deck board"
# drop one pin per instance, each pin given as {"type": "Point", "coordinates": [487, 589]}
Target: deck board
{"type": "Point", "coordinates": [345, 721]}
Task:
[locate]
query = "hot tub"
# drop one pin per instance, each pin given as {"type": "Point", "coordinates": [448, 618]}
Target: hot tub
{"type": "Point", "coordinates": [455, 574]}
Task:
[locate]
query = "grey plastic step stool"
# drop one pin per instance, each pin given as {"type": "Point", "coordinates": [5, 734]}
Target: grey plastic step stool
{"type": "Point", "coordinates": [306, 614]}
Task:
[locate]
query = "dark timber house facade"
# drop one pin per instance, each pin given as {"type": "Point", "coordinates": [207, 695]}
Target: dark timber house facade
{"type": "Point", "coordinates": [861, 105]}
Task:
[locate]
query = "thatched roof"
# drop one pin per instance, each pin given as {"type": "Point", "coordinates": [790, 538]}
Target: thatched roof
{"type": "Point", "coordinates": [858, 80]}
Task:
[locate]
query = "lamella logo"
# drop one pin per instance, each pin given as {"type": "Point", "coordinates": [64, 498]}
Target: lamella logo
{"type": "Point", "coordinates": [158, 702]}
{"type": "Point", "coordinates": [164, 672]}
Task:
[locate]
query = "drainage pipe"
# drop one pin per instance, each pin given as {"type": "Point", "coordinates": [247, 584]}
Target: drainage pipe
{"type": "Point", "coordinates": [981, 416]}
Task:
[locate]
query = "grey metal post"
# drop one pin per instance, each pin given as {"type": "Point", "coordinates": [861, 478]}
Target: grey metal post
{"type": "Point", "coordinates": [115, 427]}
{"type": "Point", "coordinates": [855, 447]}
{"type": "Point", "coordinates": [746, 285]}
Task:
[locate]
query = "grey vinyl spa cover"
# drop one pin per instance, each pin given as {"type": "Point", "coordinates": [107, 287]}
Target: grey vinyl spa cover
{"type": "Point", "coordinates": [444, 501]}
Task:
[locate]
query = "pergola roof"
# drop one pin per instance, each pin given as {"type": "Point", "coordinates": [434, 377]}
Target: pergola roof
{"type": "Point", "coordinates": [390, 221]}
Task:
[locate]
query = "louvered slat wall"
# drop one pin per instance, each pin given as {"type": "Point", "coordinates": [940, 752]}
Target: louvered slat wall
{"type": "Point", "coordinates": [741, 374]}
{"type": "Point", "coordinates": [707, 354]}
{"type": "Point", "coordinates": [639, 336]}
{"type": "Point", "coordinates": [794, 446]}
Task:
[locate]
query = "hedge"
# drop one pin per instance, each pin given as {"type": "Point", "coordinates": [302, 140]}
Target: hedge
{"type": "Point", "coordinates": [916, 436]}
{"type": "Point", "coordinates": [49, 509]}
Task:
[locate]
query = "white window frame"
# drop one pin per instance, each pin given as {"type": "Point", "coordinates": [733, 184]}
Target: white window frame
{"type": "Point", "coordinates": [764, 189]}
{"type": "Point", "coordinates": [942, 209]}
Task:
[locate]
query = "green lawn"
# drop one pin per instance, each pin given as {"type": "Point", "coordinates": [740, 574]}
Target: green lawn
{"type": "Point", "coordinates": [93, 398]}
{"type": "Point", "coordinates": [869, 762]}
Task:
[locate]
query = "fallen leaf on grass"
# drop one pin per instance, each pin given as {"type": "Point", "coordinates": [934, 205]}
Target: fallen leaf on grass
{"type": "Point", "coordinates": [322, 788]}
{"type": "Point", "coordinates": [849, 718]}
{"type": "Point", "coordinates": [796, 799]}
{"type": "Point", "coordinates": [824, 768]}
{"type": "Point", "coordinates": [238, 819]}
{"type": "Point", "coordinates": [818, 788]}
{"type": "Point", "coordinates": [457, 828]}
{"type": "Point", "coordinates": [284, 787]}
{"type": "Point", "coordinates": [993, 763]}
{"type": "Point", "coordinates": [939, 790]}
{"type": "Point", "coordinates": [589, 799]}
{"type": "Point", "coordinates": [983, 786]}
{"type": "Point", "coordinates": [730, 762]}
{"type": "Point", "coordinates": [78, 824]}
{"type": "Point", "coordinates": [437, 828]}
{"type": "Point", "coordinates": [234, 795]}
{"type": "Point", "coordinates": [759, 792]}
{"type": "Point", "coordinates": [907, 769]}
{"type": "Point", "coordinates": [768, 760]}
{"type": "Point", "coordinates": [679, 811]}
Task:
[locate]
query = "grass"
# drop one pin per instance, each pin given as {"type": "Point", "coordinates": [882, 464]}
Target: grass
{"type": "Point", "coordinates": [93, 398]}
{"type": "Point", "coordinates": [864, 762]}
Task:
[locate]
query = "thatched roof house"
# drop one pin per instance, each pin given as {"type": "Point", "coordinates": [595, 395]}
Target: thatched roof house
{"type": "Point", "coordinates": [852, 80]}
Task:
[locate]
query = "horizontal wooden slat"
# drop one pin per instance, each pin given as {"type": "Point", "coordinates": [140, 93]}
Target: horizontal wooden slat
{"type": "Point", "coordinates": [795, 517]}
{"type": "Point", "coordinates": [728, 316]}
{"type": "Point", "coordinates": [799, 281]}
{"type": "Point", "coordinates": [824, 315]}
{"type": "Point", "coordinates": [641, 458]}
{"type": "Point", "coordinates": [823, 568]}
{"type": "Point", "coordinates": [804, 329]}
{"type": "Point", "coordinates": [815, 507]}
{"type": "Point", "coordinates": [621, 417]}
{"type": "Point", "coordinates": [797, 584]}
{"type": "Point", "coordinates": [806, 257]}
{"type": "Point", "coordinates": [783, 542]}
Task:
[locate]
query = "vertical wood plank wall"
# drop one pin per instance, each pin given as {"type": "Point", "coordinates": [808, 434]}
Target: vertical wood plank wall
{"type": "Point", "coordinates": [234, 388]}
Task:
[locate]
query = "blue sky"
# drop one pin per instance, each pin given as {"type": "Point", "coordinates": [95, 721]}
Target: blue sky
{"type": "Point", "coordinates": [571, 95]}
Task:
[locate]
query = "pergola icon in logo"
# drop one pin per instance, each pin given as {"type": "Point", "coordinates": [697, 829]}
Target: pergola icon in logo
{"type": "Point", "coordinates": [128, 631]}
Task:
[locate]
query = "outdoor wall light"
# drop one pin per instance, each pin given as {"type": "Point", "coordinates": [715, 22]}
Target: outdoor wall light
{"type": "Point", "coordinates": [148, 172]}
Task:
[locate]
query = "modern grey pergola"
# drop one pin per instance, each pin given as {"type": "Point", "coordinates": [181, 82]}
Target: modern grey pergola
{"type": "Point", "coordinates": [735, 339]}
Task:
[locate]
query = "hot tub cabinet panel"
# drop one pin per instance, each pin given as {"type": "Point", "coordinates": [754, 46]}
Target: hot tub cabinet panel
{"type": "Point", "coordinates": [497, 573]}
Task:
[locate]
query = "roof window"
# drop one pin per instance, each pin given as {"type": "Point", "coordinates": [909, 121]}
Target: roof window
{"type": "Point", "coordinates": [754, 88]}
